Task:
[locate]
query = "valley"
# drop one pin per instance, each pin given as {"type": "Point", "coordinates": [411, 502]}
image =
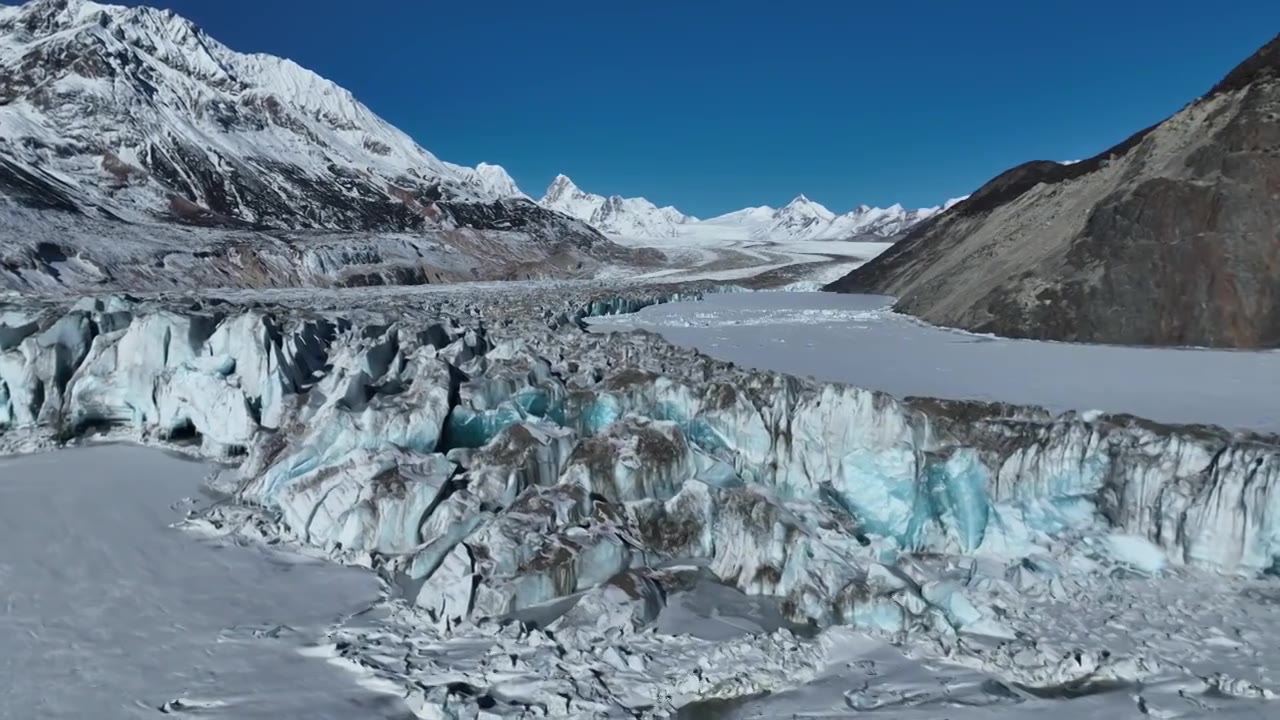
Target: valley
{"type": "Point", "coordinates": [298, 419]}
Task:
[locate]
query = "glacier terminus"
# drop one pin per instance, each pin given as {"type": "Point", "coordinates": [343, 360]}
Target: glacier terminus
{"type": "Point", "coordinates": [298, 419]}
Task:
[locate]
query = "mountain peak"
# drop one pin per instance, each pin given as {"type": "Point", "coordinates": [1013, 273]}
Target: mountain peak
{"type": "Point", "coordinates": [561, 190]}
{"type": "Point", "coordinates": [802, 200]}
{"type": "Point", "coordinates": [497, 181]}
{"type": "Point", "coordinates": [800, 219]}
{"type": "Point", "coordinates": [803, 206]}
{"type": "Point", "coordinates": [562, 181]}
{"type": "Point", "coordinates": [44, 15]}
{"type": "Point", "coordinates": [615, 214]}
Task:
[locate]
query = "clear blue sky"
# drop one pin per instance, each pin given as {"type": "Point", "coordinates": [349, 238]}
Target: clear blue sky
{"type": "Point", "coordinates": [715, 105]}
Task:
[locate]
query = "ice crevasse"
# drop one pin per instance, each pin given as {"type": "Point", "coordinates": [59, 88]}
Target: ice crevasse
{"type": "Point", "coordinates": [494, 466]}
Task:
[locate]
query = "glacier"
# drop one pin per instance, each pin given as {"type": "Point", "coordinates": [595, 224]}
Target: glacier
{"type": "Point", "coordinates": [901, 471]}
{"type": "Point", "coordinates": [494, 460]}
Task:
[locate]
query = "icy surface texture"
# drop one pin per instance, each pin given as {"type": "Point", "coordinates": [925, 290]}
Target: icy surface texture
{"type": "Point", "coordinates": [628, 419]}
{"type": "Point", "coordinates": [497, 463]}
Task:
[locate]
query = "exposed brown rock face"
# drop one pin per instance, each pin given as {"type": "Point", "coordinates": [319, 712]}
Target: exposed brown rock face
{"type": "Point", "coordinates": [1170, 238]}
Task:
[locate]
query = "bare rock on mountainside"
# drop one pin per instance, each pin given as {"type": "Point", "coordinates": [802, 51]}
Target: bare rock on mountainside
{"type": "Point", "coordinates": [131, 120]}
{"type": "Point", "coordinates": [1170, 238]}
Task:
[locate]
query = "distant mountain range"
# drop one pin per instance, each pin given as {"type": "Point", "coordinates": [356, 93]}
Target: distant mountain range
{"type": "Point", "coordinates": [1171, 237]}
{"type": "Point", "coordinates": [800, 219]}
{"type": "Point", "coordinates": [638, 218]}
{"type": "Point", "coordinates": [629, 217]}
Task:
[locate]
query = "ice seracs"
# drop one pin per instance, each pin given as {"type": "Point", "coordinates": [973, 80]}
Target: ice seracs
{"type": "Point", "coordinates": [801, 218]}
{"type": "Point", "coordinates": [496, 463]}
{"type": "Point", "coordinates": [298, 395]}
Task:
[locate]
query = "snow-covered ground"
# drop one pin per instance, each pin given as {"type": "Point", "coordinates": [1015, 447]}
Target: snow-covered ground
{"type": "Point", "coordinates": [108, 611]}
{"type": "Point", "coordinates": [123, 613]}
{"type": "Point", "coordinates": [856, 339]}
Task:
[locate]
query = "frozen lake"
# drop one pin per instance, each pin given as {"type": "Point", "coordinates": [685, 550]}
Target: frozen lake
{"type": "Point", "coordinates": [109, 612]}
{"type": "Point", "coordinates": [855, 339]}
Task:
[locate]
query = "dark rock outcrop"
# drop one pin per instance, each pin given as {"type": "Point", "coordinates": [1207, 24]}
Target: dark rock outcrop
{"type": "Point", "coordinates": [1169, 238]}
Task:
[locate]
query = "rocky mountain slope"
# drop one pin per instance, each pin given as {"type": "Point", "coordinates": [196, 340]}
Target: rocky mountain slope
{"type": "Point", "coordinates": [1169, 238]}
{"type": "Point", "coordinates": [801, 219]}
{"type": "Point", "coordinates": [136, 115]}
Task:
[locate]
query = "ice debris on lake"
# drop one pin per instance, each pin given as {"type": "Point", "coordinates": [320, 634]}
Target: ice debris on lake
{"type": "Point", "coordinates": [497, 462]}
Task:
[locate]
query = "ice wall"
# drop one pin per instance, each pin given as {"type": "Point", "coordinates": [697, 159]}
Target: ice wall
{"type": "Point", "coordinates": [501, 458]}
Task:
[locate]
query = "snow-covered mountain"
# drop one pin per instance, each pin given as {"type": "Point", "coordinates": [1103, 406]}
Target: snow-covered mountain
{"type": "Point", "coordinates": [800, 219]}
{"type": "Point", "coordinates": [615, 215]}
{"type": "Point", "coordinates": [498, 182]}
{"type": "Point", "coordinates": [804, 219]}
{"type": "Point", "coordinates": [135, 113]}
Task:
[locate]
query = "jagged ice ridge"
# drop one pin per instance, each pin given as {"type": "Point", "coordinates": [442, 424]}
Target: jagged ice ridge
{"type": "Point", "coordinates": [495, 458]}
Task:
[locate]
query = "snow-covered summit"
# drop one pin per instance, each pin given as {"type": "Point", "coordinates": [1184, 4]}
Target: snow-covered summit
{"type": "Point", "coordinates": [803, 207]}
{"type": "Point", "coordinates": [800, 219]}
{"type": "Point", "coordinates": [614, 215]}
{"type": "Point", "coordinates": [564, 196]}
{"type": "Point", "coordinates": [883, 222]}
{"type": "Point", "coordinates": [498, 182]}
